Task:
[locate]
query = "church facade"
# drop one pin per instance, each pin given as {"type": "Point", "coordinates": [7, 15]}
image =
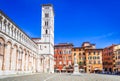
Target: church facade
{"type": "Point", "coordinates": [46, 42]}
{"type": "Point", "coordinates": [21, 54]}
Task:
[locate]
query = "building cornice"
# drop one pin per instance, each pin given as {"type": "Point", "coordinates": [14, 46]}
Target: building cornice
{"type": "Point", "coordinates": [15, 24]}
{"type": "Point", "coordinates": [50, 6]}
{"type": "Point", "coordinates": [94, 49]}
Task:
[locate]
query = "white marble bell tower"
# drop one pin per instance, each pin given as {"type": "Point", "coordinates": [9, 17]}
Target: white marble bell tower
{"type": "Point", "coordinates": [47, 36]}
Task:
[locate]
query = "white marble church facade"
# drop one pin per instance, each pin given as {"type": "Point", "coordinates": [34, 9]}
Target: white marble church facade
{"type": "Point", "coordinates": [21, 54]}
{"type": "Point", "coordinates": [46, 42]}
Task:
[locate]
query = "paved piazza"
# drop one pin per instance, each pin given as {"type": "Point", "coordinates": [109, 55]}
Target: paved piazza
{"type": "Point", "coordinates": [62, 77]}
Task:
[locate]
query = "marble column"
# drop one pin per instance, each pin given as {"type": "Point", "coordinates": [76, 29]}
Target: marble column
{"type": "Point", "coordinates": [0, 23]}
{"type": "Point", "coordinates": [1, 54]}
{"type": "Point", "coordinates": [7, 56]}
{"type": "Point", "coordinates": [17, 60]}
{"type": "Point", "coordinates": [7, 27]}
{"type": "Point", "coordinates": [23, 56]}
{"type": "Point", "coordinates": [2, 27]}
{"type": "Point", "coordinates": [27, 62]}
{"type": "Point", "coordinates": [10, 30]}
{"type": "Point", "coordinates": [13, 58]}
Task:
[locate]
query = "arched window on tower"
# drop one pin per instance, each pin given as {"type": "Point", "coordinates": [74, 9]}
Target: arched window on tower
{"type": "Point", "coordinates": [46, 31]}
{"type": "Point", "coordinates": [46, 14]}
{"type": "Point", "coordinates": [46, 23]}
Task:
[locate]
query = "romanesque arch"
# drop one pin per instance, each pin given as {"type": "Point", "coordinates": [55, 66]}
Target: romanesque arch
{"type": "Point", "coordinates": [14, 57]}
{"type": "Point", "coordinates": [8, 51]}
{"type": "Point", "coordinates": [2, 48]}
{"type": "Point", "coordinates": [20, 52]}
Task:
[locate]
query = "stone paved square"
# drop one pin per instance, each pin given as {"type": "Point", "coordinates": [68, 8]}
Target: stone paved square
{"type": "Point", "coordinates": [62, 77]}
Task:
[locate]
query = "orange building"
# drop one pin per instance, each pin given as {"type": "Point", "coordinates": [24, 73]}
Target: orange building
{"type": "Point", "coordinates": [80, 53]}
{"type": "Point", "coordinates": [108, 58]}
{"type": "Point", "coordinates": [81, 58]}
{"type": "Point", "coordinates": [63, 57]}
{"type": "Point", "coordinates": [94, 60]}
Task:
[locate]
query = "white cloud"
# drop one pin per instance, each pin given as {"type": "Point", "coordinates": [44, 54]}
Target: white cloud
{"type": "Point", "coordinates": [103, 36]}
{"type": "Point", "coordinates": [30, 34]}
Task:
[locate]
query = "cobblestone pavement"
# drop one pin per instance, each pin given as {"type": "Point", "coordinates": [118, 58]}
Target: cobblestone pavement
{"type": "Point", "coordinates": [85, 77]}
{"type": "Point", "coordinates": [63, 77]}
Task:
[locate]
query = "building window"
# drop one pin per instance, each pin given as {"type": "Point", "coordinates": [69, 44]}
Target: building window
{"type": "Point", "coordinates": [118, 52]}
{"type": "Point", "coordinates": [40, 61]}
{"type": "Point", "coordinates": [83, 53]}
{"type": "Point", "coordinates": [46, 31]}
{"type": "Point", "coordinates": [98, 52]}
{"type": "Point", "coordinates": [84, 58]}
{"type": "Point", "coordinates": [74, 54]}
{"type": "Point", "coordinates": [89, 70]}
{"type": "Point", "coordinates": [69, 52]}
{"type": "Point", "coordinates": [46, 15]}
{"type": "Point", "coordinates": [90, 57]}
{"type": "Point", "coordinates": [109, 53]}
{"type": "Point", "coordinates": [98, 62]}
{"type": "Point", "coordinates": [94, 57]}
{"type": "Point", "coordinates": [40, 47]}
{"type": "Point", "coordinates": [79, 54]}
{"type": "Point", "coordinates": [46, 23]}
{"type": "Point", "coordinates": [98, 57]}
{"type": "Point", "coordinates": [89, 62]}
{"type": "Point", "coordinates": [74, 49]}
{"type": "Point", "coordinates": [118, 57]}
{"type": "Point", "coordinates": [94, 53]}
{"type": "Point", "coordinates": [60, 52]}
{"type": "Point", "coordinates": [89, 53]}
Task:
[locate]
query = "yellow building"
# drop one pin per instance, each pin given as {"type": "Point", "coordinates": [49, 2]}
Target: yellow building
{"type": "Point", "coordinates": [93, 60]}
{"type": "Point", "coordinates": [117, 58]}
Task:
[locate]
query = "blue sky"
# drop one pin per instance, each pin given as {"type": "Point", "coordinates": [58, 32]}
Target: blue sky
{"type": "Point", "coordinates": [76, 21]}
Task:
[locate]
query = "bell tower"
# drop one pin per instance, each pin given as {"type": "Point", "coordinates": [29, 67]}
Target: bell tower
{"type": "Point", "coordinates": [48, 25]}
{"type": "Point", "coordinates": [47, 35]}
